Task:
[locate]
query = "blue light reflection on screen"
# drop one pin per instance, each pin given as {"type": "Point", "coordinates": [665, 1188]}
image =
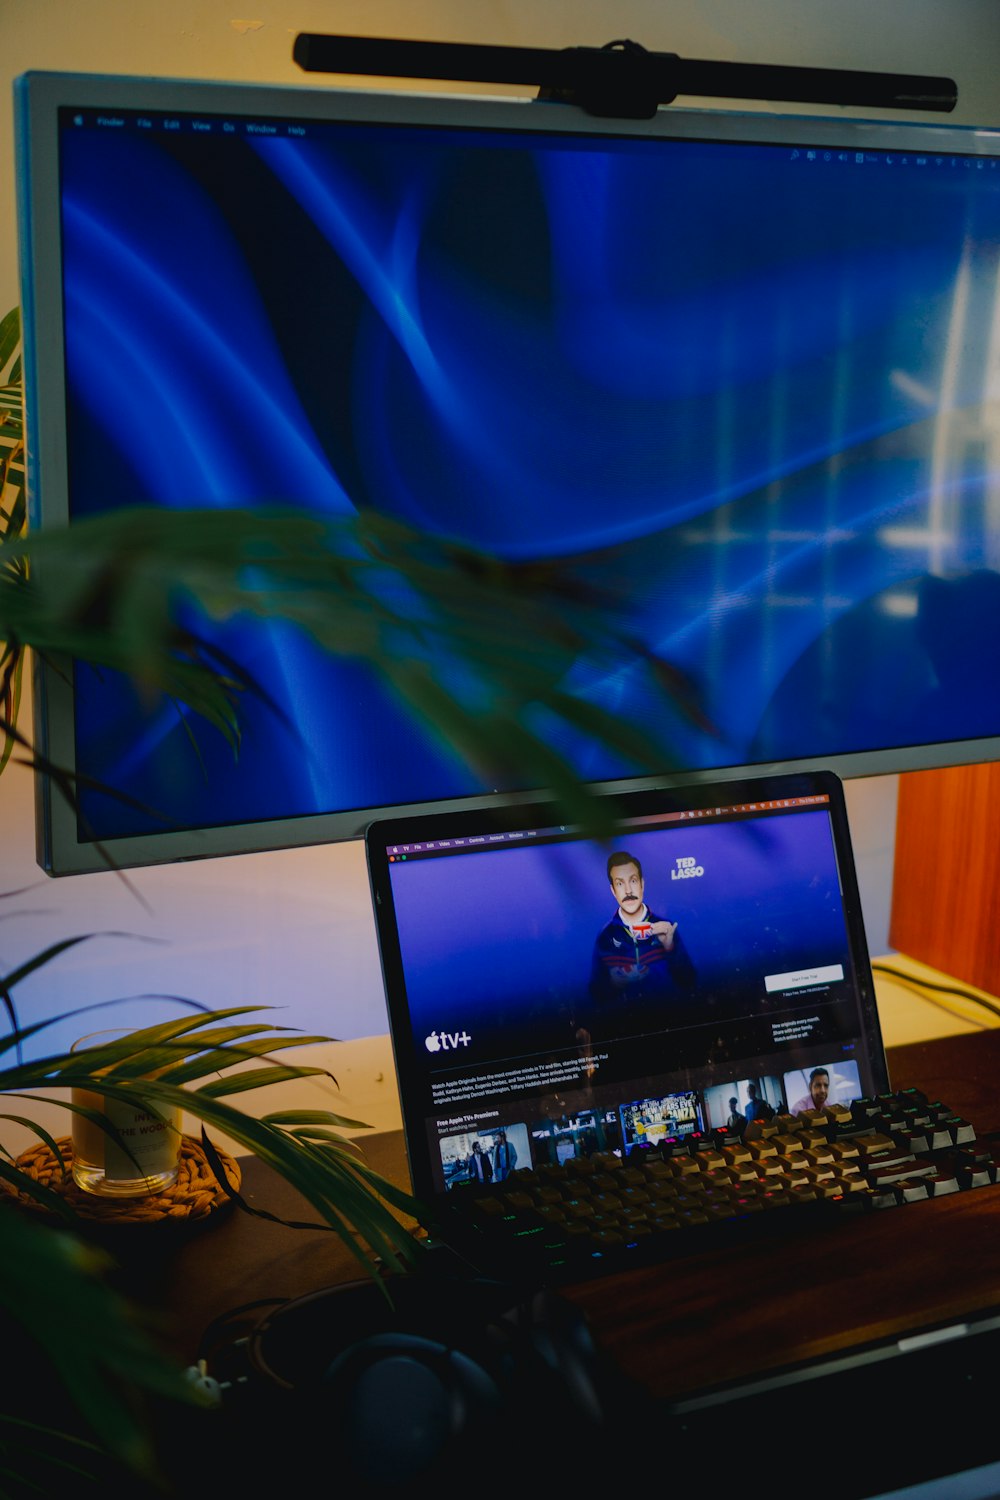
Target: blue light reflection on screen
{"type": "Point", "coordinates": [755, 401]}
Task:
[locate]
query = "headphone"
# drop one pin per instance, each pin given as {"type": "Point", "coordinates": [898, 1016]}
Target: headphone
{"type": "Point", "coordinates": [418, 1385]}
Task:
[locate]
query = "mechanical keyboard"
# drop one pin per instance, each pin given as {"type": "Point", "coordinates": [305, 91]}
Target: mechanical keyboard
{"type": "Point", "coordinates": [597, 1214]}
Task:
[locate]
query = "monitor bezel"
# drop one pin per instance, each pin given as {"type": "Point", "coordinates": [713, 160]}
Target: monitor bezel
{"type": "Point", "coordinates": [39, 96]}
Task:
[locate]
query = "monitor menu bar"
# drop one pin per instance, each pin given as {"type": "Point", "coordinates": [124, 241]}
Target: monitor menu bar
{"type": "Point", "coordinates": [152, 123]}
{"type": "Point", "coordinates": [249, 128]}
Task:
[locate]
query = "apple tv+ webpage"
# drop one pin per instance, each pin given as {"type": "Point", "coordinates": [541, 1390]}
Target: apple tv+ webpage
{"type": "Point", "coordinates": [534, 1010]}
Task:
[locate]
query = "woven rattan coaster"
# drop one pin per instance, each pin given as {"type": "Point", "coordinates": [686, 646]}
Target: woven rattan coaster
{"type": "Point", "coordinates": [194, 1196]}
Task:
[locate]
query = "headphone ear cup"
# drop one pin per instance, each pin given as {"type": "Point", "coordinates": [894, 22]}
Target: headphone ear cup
{"type": "Point", "coordinates": [548, 1339]}
{"type": "Point", "coordinates": [563, 1342]}
{"type": "Point", "coordinates": [405, 1405]}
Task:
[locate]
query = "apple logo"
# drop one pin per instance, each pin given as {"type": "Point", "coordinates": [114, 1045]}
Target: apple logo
{"type": "Point", "coordinates": [433, 1042]}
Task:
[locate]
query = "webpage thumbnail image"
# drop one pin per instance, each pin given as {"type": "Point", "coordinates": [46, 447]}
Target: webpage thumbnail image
{"type": "Point", "coordinates": [519, 959]}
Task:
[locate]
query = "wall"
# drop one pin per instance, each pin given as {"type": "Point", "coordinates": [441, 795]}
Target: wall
{"type": "Point", "coordinates": [294, 928]}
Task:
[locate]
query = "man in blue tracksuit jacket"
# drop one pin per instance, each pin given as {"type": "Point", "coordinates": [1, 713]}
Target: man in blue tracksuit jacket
{"type": "Point", "coordinates": [638, 957]}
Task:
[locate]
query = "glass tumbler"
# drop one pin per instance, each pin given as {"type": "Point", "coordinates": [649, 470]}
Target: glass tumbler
{"type": "Point", "coordinates": [100, 1164]}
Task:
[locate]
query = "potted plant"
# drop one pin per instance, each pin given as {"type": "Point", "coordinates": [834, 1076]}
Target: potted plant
{"type": "Point", "coordinates": [53, 1288]}
{"type": "Point", "coordinates": [55, 1297]}
{"type": "Point", "coordinates": [106, 591]}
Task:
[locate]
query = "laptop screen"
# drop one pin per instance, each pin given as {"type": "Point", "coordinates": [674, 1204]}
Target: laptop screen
{"type": "Point", "coordinates": [552, 994]}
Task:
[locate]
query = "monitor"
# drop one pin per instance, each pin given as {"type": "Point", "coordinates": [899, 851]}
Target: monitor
{"type": "Point", "coordinates": [744, 366]}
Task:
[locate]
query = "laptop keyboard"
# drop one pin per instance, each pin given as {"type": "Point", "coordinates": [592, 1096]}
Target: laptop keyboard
{"type": "Point", "coordinates": [603, 1213]}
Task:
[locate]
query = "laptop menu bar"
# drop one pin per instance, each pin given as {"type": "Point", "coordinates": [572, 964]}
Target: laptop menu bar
{"type": "Point", "coordinates": [526, 835]}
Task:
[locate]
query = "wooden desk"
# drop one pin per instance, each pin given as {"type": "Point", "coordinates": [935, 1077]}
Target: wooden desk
{"type": "Point", "coordinates": [715, 1322]}
{"type": "Point", "coordinates": [240, 1259]}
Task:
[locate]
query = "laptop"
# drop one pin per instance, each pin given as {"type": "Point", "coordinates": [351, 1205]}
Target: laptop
{"type": "Point", "coordinates": [560, 995]}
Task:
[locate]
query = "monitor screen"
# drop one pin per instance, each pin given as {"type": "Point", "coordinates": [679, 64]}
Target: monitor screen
{"type": "Point", "coordinates": [743, 366]}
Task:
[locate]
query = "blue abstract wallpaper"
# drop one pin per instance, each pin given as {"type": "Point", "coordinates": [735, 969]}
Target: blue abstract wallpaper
{"type": "Point", "coordinates": [750, 391]}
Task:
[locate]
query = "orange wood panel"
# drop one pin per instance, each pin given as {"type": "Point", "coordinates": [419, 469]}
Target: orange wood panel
{"type": "Point", "coordinates": [946, 886]}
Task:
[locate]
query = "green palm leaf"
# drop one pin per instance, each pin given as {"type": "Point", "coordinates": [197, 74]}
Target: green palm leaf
{"type": "Point", "coordinates": [108, 591]}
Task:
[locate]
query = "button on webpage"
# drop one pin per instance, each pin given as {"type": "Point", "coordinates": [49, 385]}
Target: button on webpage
{"type": "Point", "coordinates": [796, 978]}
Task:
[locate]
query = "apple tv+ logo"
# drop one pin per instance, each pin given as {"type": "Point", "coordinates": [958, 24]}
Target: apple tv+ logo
{"type": "Point", "coordinates": [446, 1041]}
